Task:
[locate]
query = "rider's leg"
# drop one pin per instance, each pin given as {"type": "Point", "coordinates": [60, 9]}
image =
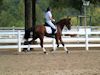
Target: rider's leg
{"type": "Point", "coordinates": [53, 31]}
{"type": "Point", "coordinates": [52, 26]}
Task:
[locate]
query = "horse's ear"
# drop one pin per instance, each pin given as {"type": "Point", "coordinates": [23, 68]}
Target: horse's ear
{"type": "Point", "coordinates": [69, 19]}
{"type": "Point", "coordinates": [68, 16]}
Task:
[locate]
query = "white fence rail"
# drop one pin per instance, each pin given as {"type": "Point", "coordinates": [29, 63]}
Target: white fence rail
{"type": "Point", "coordinates": [14, 39]}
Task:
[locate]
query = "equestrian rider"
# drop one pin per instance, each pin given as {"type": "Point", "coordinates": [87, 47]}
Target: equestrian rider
{"type": "Point", "coordinates": [50, 20]}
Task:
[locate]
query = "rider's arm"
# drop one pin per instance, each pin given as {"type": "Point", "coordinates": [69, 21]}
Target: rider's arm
{"type": "Point", "coordinates": [50, 16]}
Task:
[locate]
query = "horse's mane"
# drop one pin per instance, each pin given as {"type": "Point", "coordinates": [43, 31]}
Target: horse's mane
{"type": "Point", "coordinates": [61, 21]}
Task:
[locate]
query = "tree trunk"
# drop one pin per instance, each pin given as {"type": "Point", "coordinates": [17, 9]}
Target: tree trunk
{"type": "Point", "coordinates": [33, 16]}
{"type": "Point", "coordinates": [28, 14]}
{"type": "Point", "coordinates": [33, 13]}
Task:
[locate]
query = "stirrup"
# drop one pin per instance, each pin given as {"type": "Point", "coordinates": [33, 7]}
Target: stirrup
{"type": "Point", "coordinates": [53, 32]}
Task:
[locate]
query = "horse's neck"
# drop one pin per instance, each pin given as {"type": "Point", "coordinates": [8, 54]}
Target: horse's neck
{"type": "Point", "coordinates": [60, 26]}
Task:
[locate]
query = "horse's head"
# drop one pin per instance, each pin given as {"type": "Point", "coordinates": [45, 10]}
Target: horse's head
{"type": "Point", "coordinates": [67, 22]}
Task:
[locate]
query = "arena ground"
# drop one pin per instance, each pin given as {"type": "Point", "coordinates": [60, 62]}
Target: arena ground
{"type": "Point", "coordinates": [78, 62]}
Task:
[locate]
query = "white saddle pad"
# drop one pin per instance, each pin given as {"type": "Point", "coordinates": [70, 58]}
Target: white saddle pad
{"type": "Point", "coordinates": [48, 29]}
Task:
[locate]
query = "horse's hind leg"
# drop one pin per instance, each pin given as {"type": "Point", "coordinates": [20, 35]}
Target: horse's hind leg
{"type": "Point", "coordinates": [63, 45]}
{"type": "Point", "coordinates": [41, 43]}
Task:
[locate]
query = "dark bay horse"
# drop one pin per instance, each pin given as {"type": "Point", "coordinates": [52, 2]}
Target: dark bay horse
{"type": "Point", "coordinates": [40, 32]}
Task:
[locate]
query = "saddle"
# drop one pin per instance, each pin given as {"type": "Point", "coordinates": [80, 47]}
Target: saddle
{"type": "Point", "coordinates": [48, 27]}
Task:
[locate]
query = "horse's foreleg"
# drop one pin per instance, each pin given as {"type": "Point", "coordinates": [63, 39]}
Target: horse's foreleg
{"type": "Point", "coordinates": [63, 45]}
{"type": "Point", "coordinates": [41, 43]}
{"type": "Point", "coordinates": [54, 48]}
{"type": "Point", "coordinates": [57, 42]}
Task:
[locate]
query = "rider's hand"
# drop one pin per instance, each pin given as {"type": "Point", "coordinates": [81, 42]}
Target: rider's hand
{"type": "Point", "coordinates": [53, 20]}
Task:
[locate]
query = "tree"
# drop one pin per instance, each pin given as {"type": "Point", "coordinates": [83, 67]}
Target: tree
{"type": "Point", "coordinates": [1, 4]}
{"type": "Point", "coordinates": [77, 4]}
{"type": "Point", "coordinates": [33, 13]}
{"type": "Point", "coordinates": [95, 2]}
{"type": "Point", "coordinates": [28, 13]}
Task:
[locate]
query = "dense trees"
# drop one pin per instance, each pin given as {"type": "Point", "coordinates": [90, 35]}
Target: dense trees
{"type": "Point", "coordinates": [12, 11]}
{"type": "Point", "coordinates": [77, 4]}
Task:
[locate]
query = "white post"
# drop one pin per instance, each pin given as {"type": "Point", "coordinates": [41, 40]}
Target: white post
{"type": "Point", "coordinates": [13, 30]}
{"type": "Point", "coordinates": [85, 22]}
{"type": "Point", "coordinates": [28, 47]}
{"type": "Point", "coordinates": [19, 41]}
{"type": "Point", "coordinates": [85, 3]}
{"type": "Point", "coordinates": [87, 47]}
{"type": "Point", "coordinates": [54, 44]}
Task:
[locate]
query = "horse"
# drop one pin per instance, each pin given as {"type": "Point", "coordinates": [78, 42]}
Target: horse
{"type": "Point", "coordinates": [40, 31]}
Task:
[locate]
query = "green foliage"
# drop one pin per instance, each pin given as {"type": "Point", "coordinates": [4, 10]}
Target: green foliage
{"type": "Point", "coordinates": [1, 2]}
{"type": "Point", "coordinates": [39, 15]}
{"type": "Point", "coordinates": [77, 4]}
{"type": "Point", "coordinates": [95, 2]}
{"type": "Point", "coordinates": [96, 17]}
{"type": "Point", "coordinates": [64, 12]}
{"type": "Point", "coordinates": [41, 7]}
{"type": "Point", "coordinates": [12, 11]}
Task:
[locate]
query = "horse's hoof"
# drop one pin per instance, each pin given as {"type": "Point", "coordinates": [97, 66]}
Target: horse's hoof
{"type": "Point", "coordinates": [67, 52]}
{"type": "Point", "coordinates": [45, 52]}
{"type": "Point", "coordinates": [24, 50]}
{"type": "Point", "coordinates": [31, 49]}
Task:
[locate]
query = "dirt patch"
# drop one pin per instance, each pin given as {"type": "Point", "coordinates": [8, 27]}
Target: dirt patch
{"type": "Point", "coordinates": [78, 62]}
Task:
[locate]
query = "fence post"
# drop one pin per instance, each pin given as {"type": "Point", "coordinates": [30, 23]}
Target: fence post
{"type": "Point", "coordinates": [54, 44]}
{"type": "Point", "coordinates": [28, 47]}
{"type": "Point", "coordinates": [87, 37]}
{"type": "Point", "coordinates": [19, 41]}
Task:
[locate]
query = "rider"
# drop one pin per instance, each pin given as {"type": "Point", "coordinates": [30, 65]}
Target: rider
{"type": "Point", "coordinates": [50, 20]}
